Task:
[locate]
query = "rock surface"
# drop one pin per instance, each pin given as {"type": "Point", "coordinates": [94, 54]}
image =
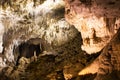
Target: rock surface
{"type": "Point", "coordinates": [37, 43]}
{"type": "Point", "coordinates": [33, 20]}
{"type": "Point", "coordinates": [107, 64]}
{"type": "Point", "coordinates": [97, 20]}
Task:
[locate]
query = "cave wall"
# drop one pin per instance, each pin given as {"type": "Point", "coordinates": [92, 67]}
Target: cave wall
{"type": "Point", "coordinates": [97, 20]}
{"type": "Point", "coordinates": [91, 18]}
{"type": "Point", "coordinates": [43, 21]}
{"type": "Point", "coordinates": [23, 20]}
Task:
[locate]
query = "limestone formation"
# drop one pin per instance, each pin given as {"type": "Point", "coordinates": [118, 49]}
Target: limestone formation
{"type": "Point", "coordinates": [42, 39]}
{"type": "Point", "coordinates": [98, 22]}
{"type": "Point", "coordinates": [23, 20]}
{"type": "Point", "coordinates": [95, 19]}
{"type": "Point", "coordinates": [107, 65]}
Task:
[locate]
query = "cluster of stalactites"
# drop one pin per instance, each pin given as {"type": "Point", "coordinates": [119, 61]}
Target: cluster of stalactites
{"type": "Point", "coordinates": [17, 3]}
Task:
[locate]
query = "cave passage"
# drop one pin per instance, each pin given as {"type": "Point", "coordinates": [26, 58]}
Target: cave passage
{"type": "Point", "coordinates": [27, 50]}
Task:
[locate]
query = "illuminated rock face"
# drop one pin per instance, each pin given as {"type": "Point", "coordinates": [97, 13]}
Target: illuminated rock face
{"type": "Point", "coordinates": [23, 20]}
{"type": "Point", "coordinates": [1, 36]}
{"type": "Point", "coordinates": [107, 65]}
{"type": "Point", "coordinates": [97, 20]}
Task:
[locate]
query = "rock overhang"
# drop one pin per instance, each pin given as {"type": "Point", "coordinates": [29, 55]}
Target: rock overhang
{"type": "Point", "coordinates": [97, 20]}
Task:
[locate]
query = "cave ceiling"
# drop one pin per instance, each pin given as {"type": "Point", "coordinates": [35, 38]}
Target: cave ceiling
{"type": "Point", "coordinates": [62, 34]}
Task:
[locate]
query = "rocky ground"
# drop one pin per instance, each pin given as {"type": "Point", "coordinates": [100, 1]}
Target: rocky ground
{"type": "Point", "coordinates": [63, 66]}
{"type": "Point", "coordinates": [37, 43]}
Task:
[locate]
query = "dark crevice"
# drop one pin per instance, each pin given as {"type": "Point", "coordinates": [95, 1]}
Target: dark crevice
{"type": "Point", "coordinates": [67, 11]}
{"type": "Point", "coordinates": [72, 1]}
{"type": "Point", "coordinates": [86, 2]}
{"type": "Point", "coordinates": [110, 22]}
{"type": "Point", "coordinates": [58, 13]}
{"type": "Point", "coordinates": [111, 3]}
{"type": "Point", "coordinates": [28, 49]}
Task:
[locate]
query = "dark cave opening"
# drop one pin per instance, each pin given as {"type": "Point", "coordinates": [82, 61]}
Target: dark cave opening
{"type": "Point", "coordinates": [32, 47]}
{"type": "Point", "coordinates": [27, 50]}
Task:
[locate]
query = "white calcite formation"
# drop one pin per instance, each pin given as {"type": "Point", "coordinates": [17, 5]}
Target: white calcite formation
{"type": "Point", "coordinates": [26, 19]}
{"type": "Point", "coordinates": [1, 37]}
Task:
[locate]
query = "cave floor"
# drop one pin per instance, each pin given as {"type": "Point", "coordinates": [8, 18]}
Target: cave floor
{"type": "Point", "coordinates": [63, 66]}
